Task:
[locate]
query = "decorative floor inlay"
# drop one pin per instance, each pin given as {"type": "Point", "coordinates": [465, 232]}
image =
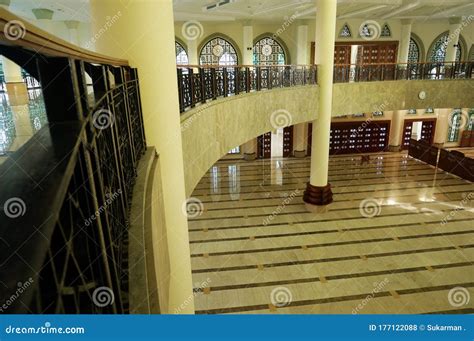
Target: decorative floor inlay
{"type": "Point", "coordinates": [398, 238]}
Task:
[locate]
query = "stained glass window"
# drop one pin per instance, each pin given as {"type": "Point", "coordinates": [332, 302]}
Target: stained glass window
{"type": "Point", "coordinates": [181, 55]}
{"type": "Point", "coordinates": [345, 32]}
{"type": "Point", "coordinates": [470, 123]}
{"type": "Point", "coordinates": [386, 31]}
{"type": "Point", "coordinates": [438, 49]}
{"type": "Point", "coordinates": [218, 51]}
{"type": "Point", "coordinates": [359, 115]}
{"type": "Point", "coordinates": [413, 52]}
{"type": "Point", "coordinates": [429, 111]}
{"type": "Point", "coordinates": [235, 150]}
{"type": "Point", "coordinates": [268, 51]}
{"type": "Point", "coordinates": [454, 125]}
{"type": "Point", "coordinates": [411, 111]}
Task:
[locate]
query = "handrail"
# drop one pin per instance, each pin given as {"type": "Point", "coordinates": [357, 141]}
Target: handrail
{"type": "Point", "coordinates": [197, 84]}
{"type": "Point", "coordinates": [213, 66]}
{"type": "Point", "coordinates": [35, 39]}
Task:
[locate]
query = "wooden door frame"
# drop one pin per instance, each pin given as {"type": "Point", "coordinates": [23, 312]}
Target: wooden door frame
{"type": "Point", "coordinates": [434, 119]}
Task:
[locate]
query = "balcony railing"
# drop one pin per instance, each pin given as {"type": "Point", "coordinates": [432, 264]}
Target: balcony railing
{"type": "Point", "coordinates": [411, 71]}
{"type": "Point", "coordinates": [197, 84]}
{"type": "Point", "coordinates": [65, 194]}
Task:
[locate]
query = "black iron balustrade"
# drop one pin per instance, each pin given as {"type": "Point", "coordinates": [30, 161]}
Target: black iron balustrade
{"type": "Point", "coordinates": [410, 71]}
{"type": "Point", "coordinates": [65, 195]}
{"type": "Point", "coordinates": [198, 84]}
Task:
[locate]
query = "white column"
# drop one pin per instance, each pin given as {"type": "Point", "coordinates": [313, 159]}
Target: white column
{"type": "Point", "coordinates": [453, 39]}
{"type": "Point", "coordinates": [143, 33]}
{"type": "Point", "coordinates": [249, 149]}
{"type": "Point", "coordinates": [193, 53]}
{"type": "Point", "coordinates": [302, 45]}
{"type": "Point", "coordinates": [14, 83]}
{"type": "Point", "coordinates": [405, 41]}
{"type": "Point", "coordinates": [442, 123]}
{"type": "Point", "coordinates": [396, 127]}
{"type": "Point", "coordinates": [12, 71]}
{"type": "Point", "coordinates": [72, 26]}
{"type": "Point", "coordinates": [318, 191]}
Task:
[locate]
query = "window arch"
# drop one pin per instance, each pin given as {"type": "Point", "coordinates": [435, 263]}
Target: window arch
{"type": "Point", "coordinates": [268, 51]}
{"type": "Point", "coordinates": [470, 123]}
{"type": "Point", "coordinates": [345, 31]}
{"type": "Point", "coordinates": [218, 51]}
{"type": "Point", "coordinates": [437, 51]}
{"type": "Point", "coordinates": [413, 52]}
{"type": "Point", "coordinates": [181, 54]}
{"type": "Point", "coordinates": [454, 125]}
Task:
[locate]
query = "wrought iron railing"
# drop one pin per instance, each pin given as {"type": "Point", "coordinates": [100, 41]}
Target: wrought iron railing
{"type": "Point", "coordinates": [198, 84]}
{"type": "Point", "coordinates": [411, 71]}
{"type": "Point", "coordinates": [65, 195]}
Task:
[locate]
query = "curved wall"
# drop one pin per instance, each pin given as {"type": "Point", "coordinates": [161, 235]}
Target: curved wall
{"type": "Point", "coordinates": [211, 130]}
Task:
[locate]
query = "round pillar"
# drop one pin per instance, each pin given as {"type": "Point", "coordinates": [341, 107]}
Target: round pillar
{"type": "Point", "coordinates": [14, 83]}
{"type": "Point", "coordinates": [318, 190]}
{"type": "Point", "coordinates": [143, 33]}
{"type": "Point", "coordinates": [299, 140]}
{"type": "Point", "coordinates": [396, 127]}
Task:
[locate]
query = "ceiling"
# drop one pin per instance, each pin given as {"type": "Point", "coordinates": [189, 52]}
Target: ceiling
{"type": "Point", "coordinates": [270, 10]}
{"type": "Point", "coordinates": [231, 10]}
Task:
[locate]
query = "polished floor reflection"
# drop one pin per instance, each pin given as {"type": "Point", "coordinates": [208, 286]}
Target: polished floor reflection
{"type": "Point", "coordinates": [397, 239]}
{"type": "Point", "coordinates": [20, 122]}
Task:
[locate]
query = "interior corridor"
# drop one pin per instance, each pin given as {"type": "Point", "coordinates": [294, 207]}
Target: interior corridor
{"type": "Point", "coordinates": [396, 239]}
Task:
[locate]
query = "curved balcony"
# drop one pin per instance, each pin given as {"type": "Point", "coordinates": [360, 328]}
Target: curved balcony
{"type": "Point", "coordinates": [221, 120]}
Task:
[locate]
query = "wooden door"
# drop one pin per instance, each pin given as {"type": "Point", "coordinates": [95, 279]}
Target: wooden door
{"type": "Point", "coordinates": [310, 139]}
{"type": "Point", "coordinates": [427, 131]}
{"type": "Point", "coordinates": [467, 139]}
{"type": "Point", "coordinates": [342, 61]}
{"type": "Point", "coordinates": [287, 141]}
{"type": "Point", "coordinates": [264, 146]}
{"type": "Point", "coordinates": [355, 137]}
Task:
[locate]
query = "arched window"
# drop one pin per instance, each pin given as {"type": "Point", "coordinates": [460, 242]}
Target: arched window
{"type": "Point", "coordinates": [454, 125]}
{"type": "Point", "coordinates": [218, 51]}
{"type": "Point", "coordinates": [345, 32]}
{"type": "Point", "coordinates": [413, 52]}
{"type": "Point", "coordinates": [386, 31]}
{"type": "Point", "coordinates": [438, 49]}
{"type": "Point", "coordinates": [470, 123]}
{"type": "Point", "coordinates": [268, 51]}
{"type": "Point", "coordinates": [181, 55]}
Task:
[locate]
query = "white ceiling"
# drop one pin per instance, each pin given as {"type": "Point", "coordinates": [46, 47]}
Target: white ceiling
{"type": "Point", "coordinates": [63, 9]}
{"type": "Point", "coordinates": [305, 9]}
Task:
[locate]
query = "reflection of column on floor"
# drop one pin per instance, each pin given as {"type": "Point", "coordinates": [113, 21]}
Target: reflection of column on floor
{"type": "Point", "coordinates": [396, 130]}
{"type": "Point", "coordinates": [214, 183]}
{"type": "Point", "coordinates": [277, 172]}
{"type": "Point", "coordinates": [234, 182]}
{"type": "Point", "coordinates": [23, 126]}
{"type": "Point", "coordinates": [299, 140]}
{"type": "Point", "coordinates": [249, 149]}
{"type": "Point", "coordinates": [441, 131]}
{"type": "Point", "coordinates": [277, 143]}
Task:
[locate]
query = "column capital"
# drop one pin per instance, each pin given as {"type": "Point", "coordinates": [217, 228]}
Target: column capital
{"type": "Point", "coordinates": [43, 13]}
{"type": "Point", "coordinates": [5, 3]}
{"type": "Point", "coordinates": [247, 22]}
{"type": "Point", "coordinates": [407, 21]}
{"type": "Point", "coordinates": [72, 24]}
{"type": "Point", "coordinates": [301, 22]}
{"type": "Point", "coordinates": [455, 20]}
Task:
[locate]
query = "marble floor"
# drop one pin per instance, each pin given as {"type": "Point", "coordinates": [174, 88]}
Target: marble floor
{"type": "Point", "coordinates": [397, 239]}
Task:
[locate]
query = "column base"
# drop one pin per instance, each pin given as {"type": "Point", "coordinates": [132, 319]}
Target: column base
{"type": "Point", "coordinates": [438, 145]}
{"type": "Point", "coordinates": [250, 157]}
{"type": "Point", "coordinates": [299, 153]}
{"type": "Point", "coordinates": [394, 148]}
{"type": "Point", "coordinates": [317, 195]}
